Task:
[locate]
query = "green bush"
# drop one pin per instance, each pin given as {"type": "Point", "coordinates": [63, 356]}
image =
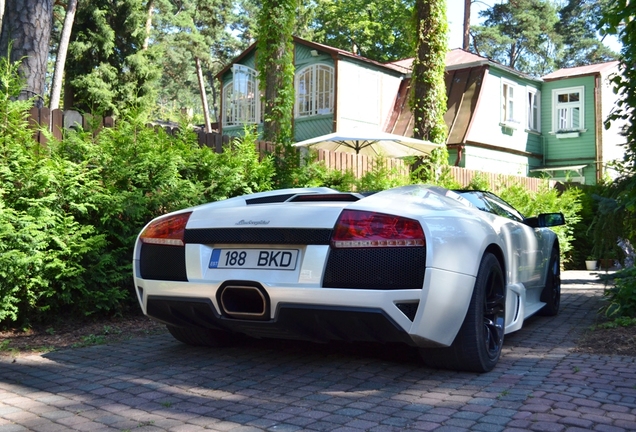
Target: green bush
{"type": "Point", "coordinates": [549, 200]}
{"type": "Point", "coordinates": [621, 298]}
{"type": "Point", "coordinates": [45, 248]}
{"type": "Point", "coordinates": [381, 177]}
{"type": "Point", "coordinates": [70, 211]}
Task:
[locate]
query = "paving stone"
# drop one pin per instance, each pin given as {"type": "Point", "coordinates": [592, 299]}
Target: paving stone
{"type": "Point", "coordinates": [157, 384]}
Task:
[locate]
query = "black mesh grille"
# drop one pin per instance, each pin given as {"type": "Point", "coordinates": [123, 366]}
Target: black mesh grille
{"type": "Point", "coordinates": [162, 262]}
{"type": "Point", "coordinates": [258, 236]}
{"type": "Point", "coordinates": [376, 268]}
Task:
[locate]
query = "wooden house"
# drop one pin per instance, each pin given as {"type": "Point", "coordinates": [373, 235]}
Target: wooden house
{"type": "Point", "coordinates": [335, 90]}
{"type": "Point", "coordinates": [576, 102]}
{"type": "Point", "coordinates": [499, 120]}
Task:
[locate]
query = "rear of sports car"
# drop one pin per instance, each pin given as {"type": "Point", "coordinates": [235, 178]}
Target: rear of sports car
{"type": "Point", "coordinates": [309, 264]}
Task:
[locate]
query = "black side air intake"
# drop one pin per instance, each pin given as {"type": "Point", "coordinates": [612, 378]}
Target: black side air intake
{"type": "Point", "coordinates": [161, 262]}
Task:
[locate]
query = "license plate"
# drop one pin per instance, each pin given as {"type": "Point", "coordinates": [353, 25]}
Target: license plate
{"type": "Point", "coordinates": [266, 259]}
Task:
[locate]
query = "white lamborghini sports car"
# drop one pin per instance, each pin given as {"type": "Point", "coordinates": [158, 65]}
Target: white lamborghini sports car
{"type": "Point", "coordinates": [446, 272]}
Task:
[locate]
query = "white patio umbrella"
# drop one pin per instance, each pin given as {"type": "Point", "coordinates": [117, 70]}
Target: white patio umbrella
{"type": "Point", "coordinates": [371, 143]}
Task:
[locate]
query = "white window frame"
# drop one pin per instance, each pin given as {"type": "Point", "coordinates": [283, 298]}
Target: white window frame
{"type": "Point", "coordinates": [509, 103]}
{"type": "Point", "coordinates": [314, 86]}
{"type": "Point", "coordinates": [563, 112]}
{"type": "Point", "coordinates": [533, 99]}
{"type": "Point", "coordinates": [241, 97]}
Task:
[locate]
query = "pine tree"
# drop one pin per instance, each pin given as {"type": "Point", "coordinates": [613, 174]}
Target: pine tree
{"type": "Point", "coordinates": [25, 36]}
{"type": "Point", "coordinates": [378, 29]}
{"type": "Point", "coordinates": [578, 22]}
{"type": "Point", "coordinates": [107, 68]}
{"type": "Point", "coordinates": [519, 34]}
{"type": "Point", "coordinates": [183, 31]}
{"type": "Point", "coordinates": [60, 59]}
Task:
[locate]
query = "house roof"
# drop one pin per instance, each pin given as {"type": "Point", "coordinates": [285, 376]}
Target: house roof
{"type": "Point", "coordinates": [463, 90]}
{"type": "Point", "coordinates": [465, 73]}
{"type": "Point", "coordinates": [334, 52]}
{"type": "Point", "coordinates": [458, 58]}
{"type": "Point", "coordinates": [581, 70]}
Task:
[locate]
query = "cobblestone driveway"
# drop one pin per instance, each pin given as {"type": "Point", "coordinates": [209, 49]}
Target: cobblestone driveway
{"type": "Point", "coordinates": [157, 384]}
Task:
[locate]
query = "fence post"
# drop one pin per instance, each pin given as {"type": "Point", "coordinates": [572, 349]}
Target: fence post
{"type": "Point", "coordinates": [57, 123]}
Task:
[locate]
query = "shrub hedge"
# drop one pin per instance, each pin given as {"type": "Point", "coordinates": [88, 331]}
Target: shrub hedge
{"type": "Point", "coordinates": [70, 211]}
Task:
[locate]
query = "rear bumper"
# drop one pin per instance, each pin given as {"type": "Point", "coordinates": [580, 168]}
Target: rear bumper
{"type": "Point", "coordinates": [430, 316]}
{"type": "Point", "coordinates": [293, 321]}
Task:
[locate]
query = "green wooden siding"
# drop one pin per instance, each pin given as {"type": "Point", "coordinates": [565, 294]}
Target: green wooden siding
{"type": "Point", "coordinates": [310, 127]}
{"type": "Point", "coordinates": [575, 150]}
{"type": "Point", "coordinates": [534, 143]}
{"type": "Point", "coordinates": [303, 57]}
{"type": "Point", "coordinates": [452, 158]}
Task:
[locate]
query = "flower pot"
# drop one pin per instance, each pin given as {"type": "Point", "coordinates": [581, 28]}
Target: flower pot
{"type": "Point", "coordinates": [607, 263]}
{"type": "Point", "coordinates": [590, 264]}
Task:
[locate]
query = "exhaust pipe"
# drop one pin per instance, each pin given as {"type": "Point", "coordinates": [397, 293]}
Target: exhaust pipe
{"type": "Point", "coordinates": [244, 302]}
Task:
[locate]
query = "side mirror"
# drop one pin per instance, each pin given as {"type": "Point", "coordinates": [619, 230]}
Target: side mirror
{"type": "Point", "coordinates": [545, 220]}
{"type": "Point", "coordinates": [550, 219]}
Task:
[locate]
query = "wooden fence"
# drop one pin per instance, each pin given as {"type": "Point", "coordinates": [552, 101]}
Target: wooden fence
{"type": "Point", "coordinates": [56, 121]}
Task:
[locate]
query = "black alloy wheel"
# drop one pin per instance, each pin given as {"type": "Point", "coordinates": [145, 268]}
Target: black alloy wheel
{"type": "Point", "coordinates": [551, 294]}
{"type": "Point", "coordinates": [478, 344]}
{"type": "Point", "coordinates": [494, 313]}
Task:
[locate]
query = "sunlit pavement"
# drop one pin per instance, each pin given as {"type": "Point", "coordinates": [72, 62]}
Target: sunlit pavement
{"type": "Point", "coordinates": [158, 384]}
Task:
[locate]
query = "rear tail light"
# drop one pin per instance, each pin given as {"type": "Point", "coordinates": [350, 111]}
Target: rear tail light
{"type": "Point", "coordinates": [362, 229]}
{"type": "Point", "coordinates": [168, 230]}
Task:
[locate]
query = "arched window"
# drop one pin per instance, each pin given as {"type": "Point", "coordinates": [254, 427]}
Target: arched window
{"type": "Point", "coordinates": [241, 97]}
{"type": "Point", "coordinates": [314, 90]}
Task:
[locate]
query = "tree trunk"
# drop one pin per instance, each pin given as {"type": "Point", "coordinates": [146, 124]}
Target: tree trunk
{"type": "Point", "coordinates": [28, 24]}
{"type": "Point", "coordinates": [151, 5]}
{"type": "Point", "coordinates": [204, 96]}
{"type": "Point", "coordinates": [215, 111]}
{"type": "Point", "coordinates": [428, 89]}
{"type": "Point", "coordinates": [2, 3]}
{"type": "Point", "coordinates": [60, 60]}
{"type": "Point", "coordinates": [276, 68]}
{"type": "Point", "coordinates": [466, 38]}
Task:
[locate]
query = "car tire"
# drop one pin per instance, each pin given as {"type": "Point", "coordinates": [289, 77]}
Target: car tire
{"type": "Point", "coordinates": [477, 346]}
{"type": "Point", "coordinates": [200, 337]}
{"type": "Point", "coordinates": [551, 294]}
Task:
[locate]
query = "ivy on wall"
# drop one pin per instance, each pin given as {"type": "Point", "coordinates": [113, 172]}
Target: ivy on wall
{"type": "Point", "coordinates": [275, 64]}
{"type": "Point", "coordinates": [428, 90]}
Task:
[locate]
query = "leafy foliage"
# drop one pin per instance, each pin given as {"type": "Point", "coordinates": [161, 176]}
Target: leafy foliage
{"type": "Point", "coordinates": [185, 30]}
{"type": "Point", "coordinates": [433, 169]}
{"type": "Point", "coordinates": [618, 19]}
{"type": "Point", "coordinates": [106, 68]}
{"type": "Point", "coordinates": [276, 69]}
{"type": "Point", "coordinates": [378, 30]}
{"type": "Point", "coordinates": [69, 212]}
{"type": "Point", "coordinates": [621, 298]}
{"type": "Point", "coordinates": [519, 34]}
{"type": "Point", "coordinates": [577, 26]}
{"type": "Point", "coordinates": [381, 177]}
{"type": "Point", "coordinates": [548, 200]}
{"type": "Point", "coordinates": [538, 36]}
{"type": "Point", "coordinates": [428, 89]}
